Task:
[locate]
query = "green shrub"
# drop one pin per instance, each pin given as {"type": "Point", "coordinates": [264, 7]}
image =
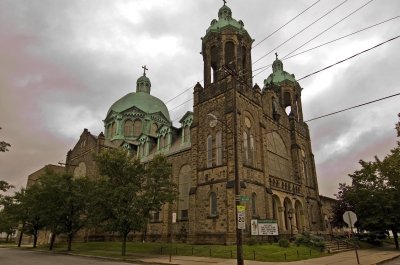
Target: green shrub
{"type": "Point", "coordinates": [252, 242]}
{"type": "Point", "coordinates": [284, 243]}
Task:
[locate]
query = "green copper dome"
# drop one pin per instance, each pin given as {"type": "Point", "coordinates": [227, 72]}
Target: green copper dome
{"type": "Point", "coordinates": [225, 20]}
{"type": "Point", "coordinates": [278, 74]}
{"type": "Point", "coordinates": [141, 100]}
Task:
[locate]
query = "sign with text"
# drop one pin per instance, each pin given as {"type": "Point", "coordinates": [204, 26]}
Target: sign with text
{"type": "Point", "coordinates": [264, 227]}
{"type": "Point", "coordinates": [241, 217]}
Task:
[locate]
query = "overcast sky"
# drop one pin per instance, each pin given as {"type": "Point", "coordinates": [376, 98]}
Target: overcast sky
{"type": "Point", "coordinates": [63, 63]}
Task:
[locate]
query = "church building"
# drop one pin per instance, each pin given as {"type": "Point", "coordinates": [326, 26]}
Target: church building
{"type": "Point", "coordinates": [237, 132]}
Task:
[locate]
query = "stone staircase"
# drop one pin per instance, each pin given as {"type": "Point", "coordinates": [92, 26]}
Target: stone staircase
{"type": "Point", "coordinates": [335, 246]}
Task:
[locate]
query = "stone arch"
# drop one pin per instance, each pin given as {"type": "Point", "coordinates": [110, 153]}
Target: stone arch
{"type": "Point", "coordinates": [276, 210]}
{"type": "Point", "coordinates": [299, 216]}
{"type": "Point", "coordinates": [287, 210]}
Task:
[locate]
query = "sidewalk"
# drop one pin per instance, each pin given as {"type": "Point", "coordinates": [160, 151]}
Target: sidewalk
{"type": "Point", "coordinates": [366, 257]}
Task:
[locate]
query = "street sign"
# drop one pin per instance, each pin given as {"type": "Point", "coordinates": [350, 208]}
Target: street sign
{"type": "Point", "coordinates": [241, 217]}
{"type": "Point", "coordinates": [350, 218]}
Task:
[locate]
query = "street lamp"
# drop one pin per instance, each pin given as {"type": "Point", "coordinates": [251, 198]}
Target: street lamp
{"type": "Point", "coordinates": [290, 216]}
{"type": "Point", "coordinates": [239, 236]}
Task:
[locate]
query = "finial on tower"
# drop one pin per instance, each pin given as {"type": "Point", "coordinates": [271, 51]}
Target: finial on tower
{"type": "Point", "coordinates": [144, 69]}
{"type": "Point", "coordinates": [224, 2]}
{"type": "Point", "coordinates": [276, 54]}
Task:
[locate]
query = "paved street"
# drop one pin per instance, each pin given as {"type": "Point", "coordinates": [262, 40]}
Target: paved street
{"type": "Point", "coordinates": [25, 257]}
{"type": "Point", "coordinates": [395, 261]}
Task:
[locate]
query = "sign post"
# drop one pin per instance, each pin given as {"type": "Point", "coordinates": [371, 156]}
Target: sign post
{"type": "Point", "coordinates": [350, 218]}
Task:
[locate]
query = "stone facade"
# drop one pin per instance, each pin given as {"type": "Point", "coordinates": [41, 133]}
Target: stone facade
{"type": "Point", "coordinates": [275, 160]}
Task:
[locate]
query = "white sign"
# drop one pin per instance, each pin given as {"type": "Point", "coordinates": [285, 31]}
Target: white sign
{"type": "Point", "coordinates": [173, 218]}
{"type": "Point", "coordinates": [241, 217]}
{"type": "Point", "coordinates": [264, 228]}
{"type": "Point", "coordinates": [350, 218]}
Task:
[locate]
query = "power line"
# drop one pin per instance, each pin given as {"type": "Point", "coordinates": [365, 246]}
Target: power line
{"type": "Point", "coordinates": [285, 24]}
{"type": "Point", "coordinates": [263, 68]}
{"type": "Point", "coordinates": [315, 21]}
{"type": "Point", "coordinates": [357, 106]}
{"type": "Point", "coordinates": [348, 58]}
{"type": "Point", "coordinates": [345, 36]}
{"type": "Point", "coordinates": [323, 69]}
{"type": "Point", "coordinates": [319, 34]}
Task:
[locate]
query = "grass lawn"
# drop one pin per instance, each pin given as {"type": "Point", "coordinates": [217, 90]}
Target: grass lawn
{"type": "Point", "coordinates": [264, 252]}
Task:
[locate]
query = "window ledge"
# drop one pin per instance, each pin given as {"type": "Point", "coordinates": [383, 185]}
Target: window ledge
{"type": "Point", "coordinates": [215, 216]}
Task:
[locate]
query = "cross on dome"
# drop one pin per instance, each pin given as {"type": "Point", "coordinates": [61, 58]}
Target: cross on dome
{"type": "Point", "coordinates": [224, 2]}
{"type": "Point", "coordinates": [144, 69]}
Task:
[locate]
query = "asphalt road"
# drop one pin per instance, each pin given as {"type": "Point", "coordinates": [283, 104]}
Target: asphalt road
{"type": "Point", "coordinates": [395, 261]}
{"type": "Point", "coordinates": [10, 256]}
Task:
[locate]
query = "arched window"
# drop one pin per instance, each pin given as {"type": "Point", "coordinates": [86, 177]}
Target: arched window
{"type": "Point", "coordinates": [184, 188]}
{"type": "Point", "coordinates": [213, 204]}
{"type": "Point", "coordinates": [229, 53]}
{"type": "Point", "coordinates": [251, 151]}
{"type": "Point", "coordinates": [277, 157]}
{"type": "Point", "coordinates": [209, 151]}
{"type": "Point", "coordinates": [304, 167]}
{"type": "Point", "coordinates": [214, 63]}
{"type": "Point", "coordinates": [244, 59]}
{"type": "Point", "coordinates": [128, 128]}
{"type": "Point", "coordinates": [113, 129]}
{"type": "Point", "coordinates": [218, 143]}
{"type": "Point", "coordinates": [245, 147]}
{"type": "Point", "coordinates": [274, 209]}
{"type": "Point", "coordinates": [153, 129]}
{"type": "Point", "coordinates": [253, 204]}
{"type": "Point", "coordinates": [186, 134]}
{"type": "Point", "coordinates": [137, 128]}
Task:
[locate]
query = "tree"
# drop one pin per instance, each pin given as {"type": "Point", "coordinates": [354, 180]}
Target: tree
{"type": "Point", "coordinates": [375, 196]}
{"type": "Point", "coordinates": [8, 220]}
{"type": "Point", "coordinates": [158, 186]}
{"type": "Point", "coordinates": [341, 206]}
{"type": "Point", "coordinates": [129, 191]}
{"type": "Point", "coordinates": [4, 145]}
{"type": "Point", "coordinates": [64, 204]}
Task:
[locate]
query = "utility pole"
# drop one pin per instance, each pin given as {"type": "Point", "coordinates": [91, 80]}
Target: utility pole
{"type": "Point", "coordinates": [239, 235]}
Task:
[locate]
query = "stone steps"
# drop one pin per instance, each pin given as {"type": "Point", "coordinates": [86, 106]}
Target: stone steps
{"type": "Point", "coordinates": [336, 246]}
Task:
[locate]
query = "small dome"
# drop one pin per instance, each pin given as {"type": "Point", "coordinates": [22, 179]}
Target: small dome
{"type": "Point", "coordinates": [278, 74]}
{"type": "Point", "coordinates": [224, 20]}
{"type": "Point", "coordinates": [143, 84]}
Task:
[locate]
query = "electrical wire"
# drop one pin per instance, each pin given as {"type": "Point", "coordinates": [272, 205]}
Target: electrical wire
{"type": "Point", "coordinates": [315, 21]}
{"type": "Point", "coordinates": [353, 107]}
{"type": "Point", "coordinates": [319, 34]}
{"type": "Point", "coordinates": [348, 58]}
{"type": "Point", "coordinates": [286, 24]}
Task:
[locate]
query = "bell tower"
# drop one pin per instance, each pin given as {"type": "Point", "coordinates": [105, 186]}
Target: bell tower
{"type": "Point", "coordinates": [226, 43]}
